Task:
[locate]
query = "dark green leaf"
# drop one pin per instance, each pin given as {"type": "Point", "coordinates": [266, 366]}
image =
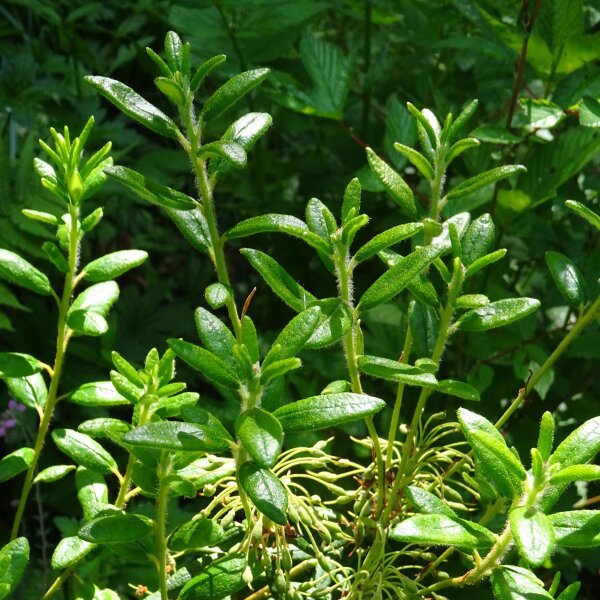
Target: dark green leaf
{"type": "Point", "coordinates": [570, 592]}
{"type": "Point", "coordinates": [104, 427]}
{"type": "Point", "coordinates": [204, 69]}
{"type": "Point", "coordinates": [216, 337]}
{"type": "Point", "coordinates": [417, 159]}
{"type": "Point", "coordinates": [459, 389]}
{"type": "Point", "coordinates": [192, 226]}
{"type": "Point", "coordinates": [134, 106]}
{"type": "Point", "coordinates": [231, 91]}
{"type": "Point", "coordinates": [261, 434]}
{"type": "Point", "coordinates": [84, 450]}
{"type": "Point", "coordinates": [457, 149]}
{"type": "Point", "coordinates": [589, 112]}
{"type": "Point", "coordinates": [335, 319]}
{"type": "Point", "coordinates": [533, 534]}
{"type": "Point", "coordinates": [115, 528]}
{"type": "Point", "coordinates": [583, 211]}
{"type": "Point", "coordinates": [197, 533]}
{"type": "Point", "coordinates": [497, 314]}
{"type": "Point", "coordinates": [426, 502]}
{"type": "Point", "coordinates": [173, 51]}
{"type": "Point", "coordinates": [478, 239]}
{"type": "Point", "coordinates": [231, 152]}
{"type": "Point", "coordinates": [567, 276]}
{"type": "Point", "coordinates": [482, 179]}
{"type": "Point", "coordinates": [16, 365]}
{"type": "Point", "coordinates": [484, 261]}
{"type": "Point", "coordinates": [69, 551]}
{"type": "Point", "coordinates": [265, 490]}
{"type": "Point", "coordinates": [16, 462]}
{"type": "Point", "coordinates": [392, 370]}
{"type": "Point", "coordinates": [540, 113]}
{"type": "Point", "coordinates": [279, 368]}
{"type": "Point", "coordinates": [463, 118]}
{"type": "Point", "coordinates": [351, 203]}
{"type": "Point", "coordinates": [114, 264]}
{"type": "Point", "coordinates": [388, 238]}
{"type": "Point", "coordinates": [17, 270]}
{"type": "Point", "coordinates": [327, 410]}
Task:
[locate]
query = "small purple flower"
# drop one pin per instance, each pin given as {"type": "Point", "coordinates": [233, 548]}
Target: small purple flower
{"type": "Point", "coordinates": [13, 405]}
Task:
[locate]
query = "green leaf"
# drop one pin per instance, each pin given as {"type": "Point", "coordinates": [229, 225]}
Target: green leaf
{"type": "Point", "coordinates": [457, 149]}
{"type": "Point", "coordinates": [576, 473]}
{"type": "Point", "coordinates": [97, 393]}
{"type": "Point", "coordinates": [497, 314]}
{"type": "Point", "coordinates": [589, 112]}
{"type": "Point", "coordinates": [217, 295]}
{"type": "Point", "coordinates": [151, 191]}
{"type": "Point", "coordinates": [580, 446]}
{"type": "Point", "coordinates": [115, 528]}
{"type": "Point", "coordinates": [533, 534]}
{"type": "Point", "coordinates": [216, 337]}
{"type": "Point", "coordinates": [178, 437]}
{"type": "Point", "coordinates": [469, 301]}
{"type": "Point", "coordinates": [231, 152]}
{"type": "Point", "coordinates": [231, 91]}
{"type": "Point", "coordinates": [173, 51]}
{"type": "Point", "coordinates": [69, 551]}
{"type": "Point", "coordinates": [219, 580]}
{"type": "Point", "coordinates": [426, 502]}
{"type": "Point", "coordinates": [278, 224]}
{"type": "Point", "coordinates": [570, 592]}
{"type": "Point", "coordinates": [88, 311]}
{"type": "Point", "coordinates": [484, 261]}
{"type": "Point", "coordinates": [55, 256]}
{"type": "Point", "coordinates": [134, 106]}
{"type": "Point", "coordinates": [388, 238]}
{"type": "Point", "coordinates": [16, 364]}
{"type": "Point", "coordinates": [417, 159]}
{"type": "Point", "coordinates": [478, 240]}
{"type": "Point", "coordinates": [515, 583]}
{"type": "Point", "coordinates": [463, 118]}
{"type": "Point", "coordinates": [114, 264]}
{"type": "Point", "coordinates": [104, 427]}
{"type": "Point", "coordinates": [393, 281]}
{"type": "Point", "coordinates": [442, 530]}
{"type": "Point", "coordinates": [567, 276]}
{"type": "Point", "coordinates": [558, 21]}
{"type": "Point", "coordinates": [261, 434]}
{"type": "Point", "coordinates": [171, 89]}
{"type": "Point", "coordinates": [278, 279]}
{"type": "Point", "coordinates": [294, 336]}
{"type": "Point", "coordinates": [459, 389]}
{"type": "Point", "coordinates": [265, 490]}
{"type": "Point", "coordinates": [92, 492]}
{"type": "Point", "coordinates": [583, 211]}
{"type": "Point", "coordinates": [351, 200]}
{"type": "Point", "coordinates": [84, 450]}
{"type": "Point", "coordinates": [546, 436]}
{"type": "Point", "coordinates": [51, 474]}
{"type": "Point", "coordinates": [246, 131]}
{"type": "Point", "coordinates": [13, 561]}
{"type": "Point", "coordinates": [396, 187]}
{"type": "Point", "coordinates": [127, 369]}
{"type": "Point", "coordinates": [250, 338]}
{"type": "Point", "coordinates": [279, 368]}
{"type": "Point", "coordinates": [496, 462]}
{"type": "Point", "coordinates": [211, 366]}
{"type": "Point", "coordinates": [204, 69]}
{"type": "Point", "coordinates": [327, 410]}
{"type": "Point", "coordinates": [392, 370]}
{"type": "Point", "coordinates": [30, 390]}
{"type": "Point", "coordinates": [577, 528]}
{"type": "Point", "coordinates": [198, 533]}
{"type": "Point", "coordinates": [482, 179]}
{"type": "Point", "coordinates": [541, 113]}
{"type": "Point", "coordinates": [493, 134]}
{"type": "Point", "coordinates": [17, 270]}
{"type": "Point", "coordinates": [16, 462]}
{"type": "Point", "coordinates": [193, 227]}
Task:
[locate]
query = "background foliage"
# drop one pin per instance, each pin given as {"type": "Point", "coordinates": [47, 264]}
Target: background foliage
{"type": "Point", "coordinates": [342, 74]}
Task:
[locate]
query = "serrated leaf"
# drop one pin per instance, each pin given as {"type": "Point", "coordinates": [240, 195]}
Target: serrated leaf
{"type": "Point", "coordinates": [533, 533]}
{"type": "Point", "coordinates": [265, 490]}
{"type": "Point", "coordinates": [84, 450]}
{"type": "Point", "coordinates": [278, 224]}
{"type": "Point", "coordinates": [114, 264]}
{"type": "Point", "coordinates": [326, 410]}
{"type": "Point", "coordinates": [17, 270]}
{"type": "Point", "coordinates": [134, 106]}
{"type": "Point", "coordinates": [393, 183]}
{"type": "Point", "coordinates": [392, 370]}
{"type": "Point", "coordinates": [393, 281]}
{"type": "Point", "coordinates": [497, 314]}
{"type": "Point", "coordinates": [442, 530]}
{"type": "Point", "coordinates": [115, 528]}
{"type": "Point", "coordinates": [149, 190]}
{"type": "Point", "coordinates": [231, 91]}
{"type": "Point", "coordinates": [16, 462]}
{"type": "Point", "coordinates": [567, 276]}
{"type": "Point", "coordinates": [261, 434]}
{"type": "Point", "coordinates": [178, 437]}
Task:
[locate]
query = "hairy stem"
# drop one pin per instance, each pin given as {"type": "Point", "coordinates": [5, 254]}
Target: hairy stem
{"type": "Point", "coordinates": [160, 524]}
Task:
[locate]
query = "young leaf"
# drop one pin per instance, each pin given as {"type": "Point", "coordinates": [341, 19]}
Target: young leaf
{"type": "Point", "coordinates": [388, 238]}
{"type": "Point", "coordinates": [125, 388]}
{"type": "Point", "coordinates": [55, 256]}
{"type": "Point", "coordinates": [482, 179]}
{"type": "Point", "coordinates": [583, 211]}
{"type": "Point", "coordinates": [206, 362]}
{"type": "Point", "coordinates": [497, 463]}
{"type": "Point", "coordinates": [417, 159]}
{"type": "Point", "coordinates": [54, 473]}
{"type": "Point", "coordinates": [173, 51]}
{"type": "Point", "coordinates": [17, 270]}
{"type": "Point", "coordinates": [577, 528]}
{"type": "Point", "coordinates": [261, 434]}
{"type": "Point", "coordinates": [327, 410]}
{"type": "Point", "coordinates": [104, 427]}
{"type": "Point", "coordinates": [533, 533]}
{"type": "Point", "coordinates": [231, 91]}
{"type": "Point", "coordinates": [134, 106]}
{"type": "Point", "coordinates": [217, 295]}
{"type": "Point", "coordinates": [151, 191]}
{"type": "Point", "coordinates": [469, 301]}
{"type": "Point", "coordinates": [393, 281]}
{"type": "Point", "coordinates": [98, 393]}
{"type": "Point", "coordinates": [334, 321]}
{"type": "Point", "coordinates": [216, 337]}
{"type": "Point", "coordinates": [69, 551]}
{"type": "Point", "coordinates": [580, 446]}
{"type": "Point", "coordinates": [16, 364]}
{"type": "Point", "coordinates": [443, 530]}
{"type": "Point", "coordinates": [393, 183]}
{"type": "Point", "coordinates": [463, 118]}
{"type": "Point", "coordinates": [198, 533]}
{"type": "Point", "coordinates": [484, 261]}
{"type": "Point", "coordinates": [114, 264]}
{"type": "Point", "coordinates": [16, 462]}
{"type": "Point", "coordinates": [567, 276]}
{"type": "Point", "coordinates": [178, 437]}
{"type": "Point", "coordinates": [87, 312]}
{"type": "Point", "coordinates": [459, 147]}
{"type": "Point", "coordinates": [426, 502]}
{"type": "Point", "coordinates": [204, 69]}
{"type": "Point", "coordinates": [293, 336]}
{"type": "Point", "coordinates": [265, 490]}
{"type": "Point", "coordinates": [392, 370]}
{"type": "Point", "coordinates": [193, 227]}
{"type": "Point", "coordinates": [30, 390]}
{"type": "Point", "coordinates": [13, 559]}
{"type": "Point", "coordinates": [231, 152]}
{"type": "Point", "coordinates": [278, 224]}
{"type": "Point", "coordinates": [546, 436]}
{"type": "Point", "coordinates": [92, 492]}
{"type": "Point", "coordinates": [516, 583]}
{"type": "Point", "coordinates": [478, 239]}
{"type": "Point", "coordinates": [84, 450]}
{"type": "Point", "coordinates": [570, 592]}
{"type": "Point", "coordinates": [250, 338]}
{"type": "Point", "coordinates": [279, 368]}
{"type": "Point", "coordinates": [351, 202]}
{"type": "Point", "coordinates": [497, 314]}
{"type": "Point", "coordinates": [115, 528]}
{"type": "Point", "coordinates": [576, 473]}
